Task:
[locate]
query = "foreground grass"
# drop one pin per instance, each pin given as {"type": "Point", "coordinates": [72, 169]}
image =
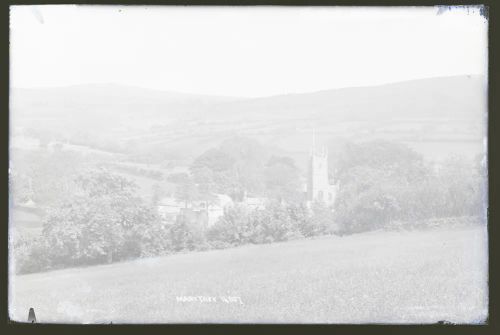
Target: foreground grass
{"type": "Point", "coordinates": [415, 277]}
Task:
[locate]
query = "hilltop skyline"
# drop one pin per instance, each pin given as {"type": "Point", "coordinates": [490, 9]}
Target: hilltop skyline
{"type": "Point", "coordinates": [246, 52]}
{"type": "Point", "coordinates": [187, 94]}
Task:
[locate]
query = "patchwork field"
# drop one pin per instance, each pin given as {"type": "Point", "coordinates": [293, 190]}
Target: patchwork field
{"type": "Point", "coordinates": [397, 277]}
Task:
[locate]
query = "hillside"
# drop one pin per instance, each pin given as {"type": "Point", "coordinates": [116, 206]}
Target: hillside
{"type": "Point", "coordinates": [446, 97]}
{"type": "Point", "coordinates": [398, 277]}
{"type": "Point", "coordinates": [435, 116]}
{"type": "Point", "coordinates": [104, 106]}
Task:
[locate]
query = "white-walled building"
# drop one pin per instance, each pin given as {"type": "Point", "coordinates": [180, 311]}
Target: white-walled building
{"type": "Point", "coordinates": [208, 212]}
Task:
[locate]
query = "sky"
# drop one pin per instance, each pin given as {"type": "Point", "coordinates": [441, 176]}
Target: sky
{"type": "Point", "coordinates": [245, 51]}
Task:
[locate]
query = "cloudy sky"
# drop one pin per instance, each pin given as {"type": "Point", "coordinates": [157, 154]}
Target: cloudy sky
{"type": "Point", "coordinates": [246, 51]}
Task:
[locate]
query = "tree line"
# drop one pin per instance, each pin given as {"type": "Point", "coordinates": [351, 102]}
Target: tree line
{"type": "Point", "coordinates": [382, 185]}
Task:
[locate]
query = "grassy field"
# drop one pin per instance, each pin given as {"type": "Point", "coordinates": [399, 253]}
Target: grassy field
{"type": "Point", "coordinates": [410, 277]}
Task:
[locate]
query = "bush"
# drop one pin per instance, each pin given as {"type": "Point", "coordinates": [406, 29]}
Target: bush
{"type": "Point", "coordinates": [234, 228]}
{"type": "Point", "coordinates": [101, 223]}
{"type": "Point", "coordinates": [321, 222]}
{"type": "Point", "coordinates": [186, 234]}
{"type": "Point", "coordinates": [276, 222]}
{"type": "Point", "coordinates": [382, 182]}
{"type": "Point", "coordinates": [29, 255]}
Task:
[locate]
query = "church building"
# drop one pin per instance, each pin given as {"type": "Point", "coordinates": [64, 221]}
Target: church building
{"type": "Point", "coordinates": [319, 187]}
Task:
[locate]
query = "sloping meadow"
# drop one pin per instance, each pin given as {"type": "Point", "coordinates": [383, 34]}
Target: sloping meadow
{"type": "Point", "coordinates": [377, 277]}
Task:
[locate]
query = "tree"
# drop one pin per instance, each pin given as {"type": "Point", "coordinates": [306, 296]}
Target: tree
{"type": "Point", "coordinates": [215, 160]}
{"type": "Point", "coordinates": [250, 177]}
{"type": "Point", "coordinates": [301, 215]}
{"type": "Point", "coordinates": [277, 223]}
{"type": "Point", "coordinates": [235, 167]}
{"type": "Point", "coordinates": [185, 234]}
{"type": "Point", "coordinates": [380, 182]}
{"type": "Point", "coordinates": [29, 253]}
{"type": "Point", "coordinates": [234, 228]}
{"type": "Point", "coordinates": [383, 183]}
{"type": "Point", "coordinates": [185, 188]}
{"type": "Point", "coordinates": [320, 221]}
{"type": "Point", "coordinates": [203, 178]}
{"type": "Point", "coordinates": [282, 179]}
{"type": "Point", "coordinates": [379, 154]}
{"type": "Point", "coordinates": [102, 222]}
{"type": "Point", "coordinates": [463, 186]}
{"type": "Point", "coordinates": [47, 177]}
{"type": "Point", "coordinates": [214, 169]}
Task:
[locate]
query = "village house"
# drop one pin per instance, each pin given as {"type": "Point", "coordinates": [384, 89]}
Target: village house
{"type": "Point", "coordinates": [206, 213]}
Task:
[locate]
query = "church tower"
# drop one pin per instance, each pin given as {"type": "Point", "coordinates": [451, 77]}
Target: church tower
{"type": "Point", "coordinates": [318, 184]}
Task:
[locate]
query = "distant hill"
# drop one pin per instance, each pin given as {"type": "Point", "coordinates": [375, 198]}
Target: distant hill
{"type": "Point", "coordinates": [444, 110]}
{"type": "Point", "coordinates": [105, 104]}
{"type": "Point", "coordinates": [458, 96]}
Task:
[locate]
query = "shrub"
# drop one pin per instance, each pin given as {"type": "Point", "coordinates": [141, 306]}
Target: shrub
{"type": "Point", "coordinates": [102, 222]}
{"type": "Point", "coordinates": [29, 255]}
